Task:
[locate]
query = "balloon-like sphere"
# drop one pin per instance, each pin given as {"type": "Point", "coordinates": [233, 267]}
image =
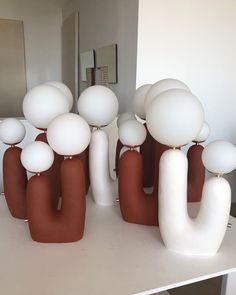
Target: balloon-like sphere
{"type": "Point", "coordinates": [43, 103]}
{"type": "Point", "coordinates": [68, 134]}
{"type": "Point", "coordinates": [125, 117]}
{"type": "Point", "coordinates": [161, 86]}
{"type": "Point", "coordinates": [139, 100]}
{"type": "Point", "coordinates": [132, 133]}
{"type": "Point", "coordinates": [219, 157]}
{"type": "Point", "coordinates": [98, 105]}
{"type": "Point", "coordinates": [204, 133]}
{"type": "Point", "coordinates": [65, 89]}
{"type": "Point", "coordinates": [37, 157]}
{"type": "Point", "coordinates": [12, 131]}
{"type": "Point", "coordinates": [175, 117]}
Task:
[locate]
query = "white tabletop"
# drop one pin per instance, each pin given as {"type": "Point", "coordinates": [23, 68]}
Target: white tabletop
{"type": "Point", "coordinates": [114, 258]}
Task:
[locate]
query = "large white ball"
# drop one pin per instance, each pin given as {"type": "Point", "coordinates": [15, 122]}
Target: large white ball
{"type": "Point", "coordinates": [132, 133]}
{"type": "Point", "coordinates": [65, 89]}
{"type": "Point", "coordinates": [219, 157]}
{"type": "Point", "coordinates": [161, 86]}
{"type": "Point", "coordinates": [12, 131]}
{"type": "Point", "coordinates": [37, 157]}
{"type": "Point", "coordinates": [43, 103]}
{"type": "Point", "coordinates": [98, 105]}
{"type": "Point", "coordinates": [139, 100]}
{"type": "Point", "coordinates": [68, 134]}
{"type": "Point", "coordinates": [203, 134]}
{"type": "Point", "coordinates": [125, 117]}
{"type": "Point", "coordinates": [175, 117]}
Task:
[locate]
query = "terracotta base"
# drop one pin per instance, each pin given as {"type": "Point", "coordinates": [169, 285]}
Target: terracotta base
{"type": "Point", "coordinates": [84, 157]}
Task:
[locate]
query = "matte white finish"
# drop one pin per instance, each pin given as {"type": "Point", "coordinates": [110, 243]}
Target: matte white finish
{"type": "Point", "coordinates": [180, 233]}
{"type": "Point", "coordinates": [132, 133]}
{"type": "Point", "coordinates": [43, 103]}
{"type": "Point", "coordinates": [37, 157]}
{"type": "Point", "coordinates": [161, 86]}
{"type": "Point", "coordinates": [219, 157]}
{"type": "Point", "coordinates": [104, 189]}
{"type": "Point", "coordinates": [139, 100]}
{"type": "Point", "coordinates": [175, 117]}
{"type": "Point", "coordinates": [125, 117]}
{"type": "Point", "coordinates": [12, 131]}
{"type": "Point", "coordinates": [65, 89]}
{"type": "Point", "coordinates": [229, 284]}
{"type": "Point", "coordinates": [203, 134]}
{"type": "Point", "coordinates": [98, 105]}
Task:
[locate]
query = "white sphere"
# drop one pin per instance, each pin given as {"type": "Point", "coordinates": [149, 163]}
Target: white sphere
{"type": "Point", "coordinates": [68, 134]}
{"type": "Point", "coordinates": [139, 100]}
{"type": "Point", "coordinates": [219, 157]}
{"type": "Point", "coordinates": [65, 89]}
{"type": "Point", "coordinates": [43, 103]}
{"type": "Point", "coordinates": [37, 157]}
{"type": "Point", "coordinates": [125, 117]}
{"type": "Point", "coordinates": [98, 105]}
{"type": "Point", "coordinates": [132, 133]}
{"type": "Point", "coordinates": [203, 134]}
{"type": "Point", "coordinates": [175, 117]}
{"type": "Point", "coordinates": [12, 131]}
{"type": "Point", "coordinates": [161, 86]}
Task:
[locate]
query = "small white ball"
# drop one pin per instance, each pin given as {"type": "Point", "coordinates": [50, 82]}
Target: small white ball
{"type": "Point", "coordinates": [65, 89]}
{"type": "Point", "coordinates": [12, 131]}
{"type": "Point", "coordinates": [37, 157]}
{"type": "Point", "coordinates": [68, 134]}
{"type": "Point", "coordinates": [161, 86]}
{"type": "Point", "coordinates": [219, 157]}
{"type": "Point", "coordinates": [125, 117]}
{"type": "Point", "coordinates": [98, 105]}
{"type": "Point", "coordinates": [175, 117]}
{"type": "Point", "coordinates": [132, 133]}
{"type": "Point", "coordinates": [43, 103]}
{"type": "Point", "coordinates": [203, 134]}
{"type": "Point", "coordinates": [139, 100]}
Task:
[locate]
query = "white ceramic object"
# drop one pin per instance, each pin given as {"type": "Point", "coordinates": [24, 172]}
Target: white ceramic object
{"type": "Point", "coordinates": [203, 134]}
{"type": "Point", "coordinates": [175, 117]}
{"type": "Point", "coordinates": [125, 117]}
{"type": "Point", "coordinates": [180, 233]}
{"type": "Point", "coordinates": [12, 131]}
{"type": "Point", "coordinates": [43, 103]}
{"type": "Point", "coordinates": [139, 100]}
{"type": "Point", "coordinates": [219, 157]}
{"type": "Point", "coordinates": [104, 189]}
{"type": "Point", "coordinates": [161, 86]}
{"type": "Point", "coordinates": [68, 134]}
{"type": "Point", "coordinates": [98, 105]}
{"type": "Point", "coordinates": [132, 133]}
{"type": "Point", "coordinates": [37, 157]}
{"type": "Point", "coordinates": [65, 89]}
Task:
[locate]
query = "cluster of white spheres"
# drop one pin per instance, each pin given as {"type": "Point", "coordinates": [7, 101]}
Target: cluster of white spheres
{"type": "Point", "coordinates": [219, 157]}
{"type": "Point", "coordinates": [175, 117]}
{"type": "Point", "coordinates": [139, 100]}
{"type": "Point", "coordinates": [203, 134]}
{"type": "Point", "coordinates": [68, 134]}
{"type": "Point", "coordinates": [98, 105]}
{"type": "Point", "coordinates": [65, 89]}
{"type": "Point", "coordinates": [132, 133]}
{"type": "Point", "coordinates": [125, 117]}
{"type": "Point", "coordinates": [12, 131]}
{"type": "Point", "coordinates": [37, 157]}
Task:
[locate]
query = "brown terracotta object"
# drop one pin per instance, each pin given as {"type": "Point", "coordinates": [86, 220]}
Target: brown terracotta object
{"type": "Point", "coordinates": [119, 147]}
{"type": "Point", "coordinates": [48, 225]}
{"type": "Point", "coordinates": [14, 182]}
{"type": "Point", "coordinates": [196, 173]}
{"type": "Point", "coordinates": [84, 157]}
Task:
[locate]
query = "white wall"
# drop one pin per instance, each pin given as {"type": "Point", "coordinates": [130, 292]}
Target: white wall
{"type": "Point", "coordinates": [105, 22]}
{"type": "Point", "coordinates": [42, 29]}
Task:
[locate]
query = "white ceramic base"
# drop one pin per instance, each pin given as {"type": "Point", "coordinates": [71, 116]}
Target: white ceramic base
{"type": "Point", "coordinates": [180, 233]}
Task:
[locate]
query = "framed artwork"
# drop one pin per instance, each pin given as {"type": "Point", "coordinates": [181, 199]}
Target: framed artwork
{"type": "Point", "coordinates": [87, 61]}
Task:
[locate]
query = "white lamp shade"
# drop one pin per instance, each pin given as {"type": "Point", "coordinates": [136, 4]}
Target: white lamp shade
{"type": "Point", "coordinates": [65, 89]}
{"type": "Point", "coordinates": [219, 157]}
{"type": "Point", "coordinates": [43, 103]}
{"type": "Point", "coordinates": [161, 86]}
{"type": "Point", "coordinates": [175, 117]}
{"type": "Point", "coordinates": [98, 105]}
{"type": "Point", "coordinates": [132, 133]}
{"type": "Point", "coordinates": [37, 157]}
{"type": "Point", "coordinates": [68, 134]}
{"type": "Point", "coordinates": [125, 117]}
{"type": "Point", "coordinates": [204, 133]}
{"type": "Point", "coordinates": [139, 100]}
{"type": "Point", "coordinates": [12, 131]}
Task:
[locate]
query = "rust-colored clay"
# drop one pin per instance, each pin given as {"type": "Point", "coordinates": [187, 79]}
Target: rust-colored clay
{"type": "Point", "coordinates": [84, 157]}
